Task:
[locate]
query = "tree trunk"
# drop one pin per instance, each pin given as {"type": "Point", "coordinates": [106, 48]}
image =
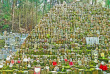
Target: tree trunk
{"type": "Point", "coordinates": [44, 8]}
{"type": "Point", "coordinates": [26, 16]}
{"type": "Point", "coordinates": [50, 3]}
{"type": "Point", "coordinates": [13, 14]}
{"type": "Point", "coordinates": [95, 1]}
{"type": "Point", "coordinates": [36, 12]}
{"type": "Point", "coordinates": [32, 18]}
{"type": "Point", "coordinates": [19, 17]}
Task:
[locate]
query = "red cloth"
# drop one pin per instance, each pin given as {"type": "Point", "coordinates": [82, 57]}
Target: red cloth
{"type": "Point", "coordinates": [19, 61]}
{"type": "Point", "coordinates": [54, 63]}
{"type": "Point", "coordinates": [45, 40]}
{"type": "Point", "coordinates": [71, 63]}
{"type": "Point", "coordinates": [65, 60]}
{"type": "Point", "coordinates": [12, 61]}
{"type": "Point", "coordinates": [37, 72]}
{"type": "Point", "coordinates": [103, 67]}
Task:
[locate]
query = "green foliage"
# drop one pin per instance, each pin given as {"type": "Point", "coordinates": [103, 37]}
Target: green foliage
{"type": "Point", "coordinates": [5, 26]}
{"type": "Point", "coordinates": [5, 16]}
{"type": "Point", "coordinates": [48, 35]}
{"type": "Point", "coordinates": [6, 68]}
{"type": "Point", "coordinates": [105, 59]}
{"type": "Point", "coordinates": [108, 3]}
{"type": "Point", "coordinates": [2, 43]}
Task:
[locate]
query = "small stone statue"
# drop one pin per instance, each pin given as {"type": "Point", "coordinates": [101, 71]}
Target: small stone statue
{"type": "Point", "coordinates": [47, 67]}
{"type": "Point", "coordinates": [56, 68]}
{"type": "Point", "coordinates": [50, 62]}
{"type": "Point", "coordinates": [79, 61]}
{"type": "Point", "coordinates": [109, 61]}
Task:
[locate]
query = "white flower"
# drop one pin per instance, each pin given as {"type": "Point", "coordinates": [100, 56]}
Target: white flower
{"type": "Point", "coordinates": [102, 62]}
{"type": "Point", "coordinates": [11, 65]}
{"type": "Point", "coordinates": [29, 65]}
{"type": "Point", "coordinates": [25, 59]}
{"type": "Point", "coordinates": [8, 58]}
{"type": "Point", "coordinates": [37, 70]}
{"type": "Point", "coordinates": [1, 65]}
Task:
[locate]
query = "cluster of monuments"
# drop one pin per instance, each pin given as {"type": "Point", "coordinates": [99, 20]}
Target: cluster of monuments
{"type": "Point", "coordinates": [70, 39]}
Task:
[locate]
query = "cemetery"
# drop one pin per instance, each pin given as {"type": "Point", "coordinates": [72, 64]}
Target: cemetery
{"type": "Point", "coordinates": [70, 39]}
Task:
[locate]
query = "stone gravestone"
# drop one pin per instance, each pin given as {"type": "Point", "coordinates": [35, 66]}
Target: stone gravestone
{"type": "Point", "coordinates": [5, 33]}
{"type": "Point", "coordinates": [0, 56]}
{"type": "Point", "coordinates": [4, 51]}
{"type": "Point", "coordinates": [92, 40]}
{"type": "Point", "coordinates": [4, 56]}
{"type": "Point", "coordinates": [25, 72]}
{"type": "Point", "coordinates": [13, 48]}
{"type": "Point", "coordinates": [95, 54]}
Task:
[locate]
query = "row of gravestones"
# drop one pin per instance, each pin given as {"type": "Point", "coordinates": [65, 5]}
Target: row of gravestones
{"type": "Point", "coordinates": [39, 30]}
